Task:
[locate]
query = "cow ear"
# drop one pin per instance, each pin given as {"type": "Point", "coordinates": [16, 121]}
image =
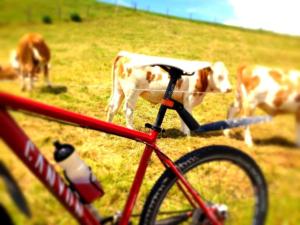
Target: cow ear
{"type": "Point", "coordinates": [205, 72]}
{"type": "Point", "coordinates": [208, 70]}
{"type": "Point", "coordinates": [202, 80]}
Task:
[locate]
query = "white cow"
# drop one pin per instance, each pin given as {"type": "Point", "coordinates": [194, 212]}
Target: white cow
{"type": "Point", "coordinates": [271, 89]}
{"type": "Point", "coordinates": [133, 77]}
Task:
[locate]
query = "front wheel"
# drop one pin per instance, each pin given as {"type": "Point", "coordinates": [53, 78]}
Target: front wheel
{"type": "Point", "coordinates": [228, 180]}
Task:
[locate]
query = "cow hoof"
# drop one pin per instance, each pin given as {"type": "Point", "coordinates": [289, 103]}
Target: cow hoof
{"type": "Point", "coordinates": [226, 133]}
{"type": "Point", "coordinates": [188, 134]}
{"type": "Point", "coordinates": [130, 127]}
{"type": "Point", "coordinates": [249, 144]}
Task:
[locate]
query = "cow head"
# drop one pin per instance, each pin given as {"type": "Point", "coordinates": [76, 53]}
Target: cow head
{"type": "Point", "coordinates": [219, 79]}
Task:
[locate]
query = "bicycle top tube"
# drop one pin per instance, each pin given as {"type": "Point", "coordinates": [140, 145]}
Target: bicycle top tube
{"type": "Point", "coordinates": [72, 118]}
{"type": "Point", "coordinates": [76, 119]}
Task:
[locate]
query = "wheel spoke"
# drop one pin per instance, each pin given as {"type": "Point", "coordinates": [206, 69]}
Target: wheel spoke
{"type": "Point", "coordinates": [174, 220]}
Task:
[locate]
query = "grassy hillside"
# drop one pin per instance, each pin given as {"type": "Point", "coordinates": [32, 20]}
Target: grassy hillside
{"type": "Point", "coordinates": [82, 55]}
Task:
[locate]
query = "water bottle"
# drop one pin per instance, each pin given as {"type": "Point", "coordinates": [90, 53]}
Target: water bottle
{"type": "Point", "coordinates": [77, 173]}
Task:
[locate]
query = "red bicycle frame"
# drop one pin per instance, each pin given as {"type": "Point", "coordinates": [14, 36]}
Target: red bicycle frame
{"type": "Point", "coordinates": [30, 155]}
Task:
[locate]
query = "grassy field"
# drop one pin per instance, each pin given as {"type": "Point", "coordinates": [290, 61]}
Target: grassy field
{"type": "Point", "coordinates": [82, 55]}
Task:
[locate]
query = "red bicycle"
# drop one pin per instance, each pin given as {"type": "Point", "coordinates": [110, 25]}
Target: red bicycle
{"type": "Point", "coordinates": [212, 185]}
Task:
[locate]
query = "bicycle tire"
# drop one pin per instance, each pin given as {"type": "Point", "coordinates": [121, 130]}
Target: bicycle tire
{"type": "Point", "coordinates": [200, 157]}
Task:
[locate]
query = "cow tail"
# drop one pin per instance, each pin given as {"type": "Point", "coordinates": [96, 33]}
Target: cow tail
{"type": "Point", "coordinates": [114, 81]}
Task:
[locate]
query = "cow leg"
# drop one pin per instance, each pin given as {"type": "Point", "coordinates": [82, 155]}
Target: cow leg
{"type": "Point", "coordinates": [247, 133]}
{"type": "Point", "coordinates": [23, 81]}
{"type": "Point", "coordinates": [26, 81]}
{"type": "Point", "coordinates": [30, 82]}
{"type": "Point", "coordinates": [233, 111]}
{"type": "Point", "coordinates": [46, 75]}
{"type": "Point", "coordinates": [114, 104]}
{"type": "Point", "coordinates": [184, 128]}
{"type": "Point", "coordinates": [129, 105]}
{"type": "Point", "coordinates": [298, 128]}
{"type": "Point", "coordinates": [248, 137]}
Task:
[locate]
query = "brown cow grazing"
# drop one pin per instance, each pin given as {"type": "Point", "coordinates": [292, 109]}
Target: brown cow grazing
{"type": "Point", "coordinates": [131, 80]}
{"type": "Point", "coordinates": [32, 56]}
{"type": "Point", "coordinates": [272, 90]}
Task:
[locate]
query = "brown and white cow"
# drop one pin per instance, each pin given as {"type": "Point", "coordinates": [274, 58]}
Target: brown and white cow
{"type": "Point", "coordinates": [131, 80]}
{"type": "Point", "coordinates": [272, 90]}
{"type": "Point", "coordinates": [32, 56]}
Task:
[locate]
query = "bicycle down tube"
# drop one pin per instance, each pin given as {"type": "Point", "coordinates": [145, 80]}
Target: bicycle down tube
{"type": "Point", "coordinates": [29, 154]}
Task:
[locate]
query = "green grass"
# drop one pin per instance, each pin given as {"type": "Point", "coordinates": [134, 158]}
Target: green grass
{"type": "Point", "coordinates": [82, 56]}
